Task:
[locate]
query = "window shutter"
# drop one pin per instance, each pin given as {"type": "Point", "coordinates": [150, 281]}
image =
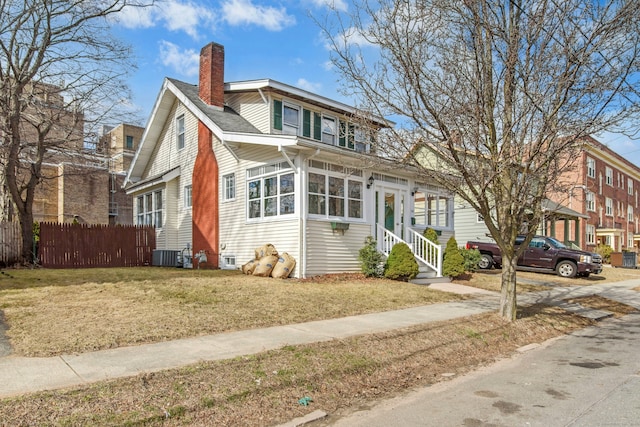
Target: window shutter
{"type": "Point", "coordinates": [342, 140]}
{"type": "Point", "coordinates": [306, 123]}
{"type": "Point", "coordinates": [317, 126]}
{"type": "Point", "coordinates": [277, 114]}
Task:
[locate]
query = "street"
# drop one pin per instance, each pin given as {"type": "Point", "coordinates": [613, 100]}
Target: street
{"type": "Point", "coordinates": [589, 378]}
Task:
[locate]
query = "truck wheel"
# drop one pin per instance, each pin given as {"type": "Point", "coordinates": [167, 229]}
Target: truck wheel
{"type": "Point", "coordinates": [567, 269]}
{"type": "Point", "coordinates": [486, 262]}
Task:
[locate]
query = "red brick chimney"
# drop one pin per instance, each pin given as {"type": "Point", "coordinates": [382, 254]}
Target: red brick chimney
{"type": "Point", "coordinates": [211, 85]}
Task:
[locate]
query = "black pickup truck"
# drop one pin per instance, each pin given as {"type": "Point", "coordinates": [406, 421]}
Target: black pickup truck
{"type": "Point", "coordinates": [544, 254]}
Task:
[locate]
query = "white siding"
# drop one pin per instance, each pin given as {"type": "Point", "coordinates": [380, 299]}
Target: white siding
{"type": "Point", "coordinates": [177, 225]}
{"type": "Point", "coordinates": [330, 251]}
{"type": "Point", "coordinates": [240, 237]}
{"type": "Point", "coordinates": [467, 226]}
{"type": "Point", "coordinates": [252, 107]}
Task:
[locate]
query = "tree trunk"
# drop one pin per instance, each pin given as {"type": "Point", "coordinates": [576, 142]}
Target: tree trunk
{"type": "Point", "coordinates": [26, 225]}
{"type": "Point", "coordinates": [508, 294]}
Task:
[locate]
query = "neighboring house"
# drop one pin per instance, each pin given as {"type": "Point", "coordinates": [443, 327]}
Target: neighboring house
{"type": "Point", "coordinates": [470, 224]}
{"type": "Point", "coordinates": [229, 167]}
{"type": "Point", "coordinates": [604, 187]}
{"type": "Point", "coordinates": [119, 145]}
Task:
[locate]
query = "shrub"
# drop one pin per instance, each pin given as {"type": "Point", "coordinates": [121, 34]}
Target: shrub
{"type": "Point", "coordinates": [431, 234]}
{"type": "Point", "coordinates": [453, 264]}
{"type": "Point", "coordinates": [605, 253]}
{"type": "Point", "coordinates": [371, 261]}
{"type": "Point", "coordinates": [401, 264]}
{"type": "Point", "coordinates": [471, 259]}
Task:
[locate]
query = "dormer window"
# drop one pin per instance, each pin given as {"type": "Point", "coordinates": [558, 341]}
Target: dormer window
{"type": "Point", "coordinates": [290, 119]}
{"type": "Point", "coordinates": [329, 130]}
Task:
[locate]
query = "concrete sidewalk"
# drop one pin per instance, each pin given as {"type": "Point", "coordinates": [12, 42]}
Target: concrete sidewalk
{"type": "Point", "coordinates": [20, 375]}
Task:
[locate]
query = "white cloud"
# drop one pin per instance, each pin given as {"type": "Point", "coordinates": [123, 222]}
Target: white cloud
{"type": "Point", "coordinates": [135, 17]}
{"type": "Point", "coordinates": [339, 5]}
{"type": "Point", "coordinates": [174, 15]}
{"type": "Point", "coordinates": [327, 65]}
{"type": "Point", "coordinates": [238, 12]}
{"type": "Point", "coordinates": [183, 61]}
{"type": "Point", "coordinates": [307, 85]}
{"type": "Point", "coordinates": [184, 16]}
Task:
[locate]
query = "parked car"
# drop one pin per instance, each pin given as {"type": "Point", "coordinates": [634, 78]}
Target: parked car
{"type": "Point", "coordinates": [544, 254]}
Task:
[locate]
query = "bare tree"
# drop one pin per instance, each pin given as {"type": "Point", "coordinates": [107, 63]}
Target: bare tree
{"type": "Point", "coordinates": [61, 72]}
{"type": "Point", "coordinates": [493, 97]}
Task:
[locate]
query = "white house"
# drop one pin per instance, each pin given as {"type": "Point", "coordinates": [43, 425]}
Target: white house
{"type": "Point", "coordinates": [229, 167]}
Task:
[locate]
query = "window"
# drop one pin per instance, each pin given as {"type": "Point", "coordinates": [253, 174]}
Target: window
{"type": "Point", "coordinates": [591, 201]}
{"type": "Point", "coordinates": [335, 196]}
{"type": "Point", "coordinates": [129, 143]}
{"type": "Point", "coordinates": [290, 119]}
{"type": "Point", "coordinates": [329, 130]}
{"type": "Point", "coordinates": [609, 175]}
{"type": "Point", "coordinates": [434, 209]}
{"type": "Point", "coordinates": [630, 213]}
{"type": "Point", "coordinates": [272, 193]}
{"type": "Point", "coordinates": [150, 209]}
{"type": "Point", "coordinates": [180, 132]}
{"type": "Point", "coordinates": [630, 186]}
{"type": "Point", "coordinates": [229, 185]}
{"type": "Point", "coordinates": [187, 196]}
{"type": "Point", "coordinates": [591, 234]}
{"type": "Point", "coordinates": [608, 207]}
{"type": "Point", "coordinates": [591, 167]}
{"type": "Point", "coordinates": [479, 219]}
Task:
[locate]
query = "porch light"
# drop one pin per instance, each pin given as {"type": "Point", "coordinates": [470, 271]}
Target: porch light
{"type": "Point", "coordinates": [414, 190]}
{"type": "Point", "coordinates": [370, 181]}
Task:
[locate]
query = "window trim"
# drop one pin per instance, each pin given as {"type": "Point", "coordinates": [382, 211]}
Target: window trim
{"type": "Point", "coordinates": [267, 172]}
{"type": "Point", "coordinates": [149, 215]}
{"type": "Point", "coordinates": [608, 210]}
{"type": "Point", "coordinates": [590, 201]}
{"type": "Point", "coordinates": [229, 187]}
{"type": "Point", "coordinates": [608, 173]}
{"type": "Point", "coordinates": [345, 195]}
{"type": "Point", "coordinates": [591, 167]}
{"type": "Point", "coordinates": [187, 196]}
{"type": "Point", "coordinates": [590, 232]}
{"type": "Point", "coordinates": [180, 132]}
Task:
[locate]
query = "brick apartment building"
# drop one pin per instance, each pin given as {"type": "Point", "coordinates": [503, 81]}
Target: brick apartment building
{"type": "Point", "coordinates": [119, 145]}
{"type": "Point", "coordinates": [604, 187]}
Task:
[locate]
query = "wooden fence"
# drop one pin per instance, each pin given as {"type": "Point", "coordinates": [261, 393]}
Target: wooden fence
{"type": "Point", "coordinates": [10, 243]}
{"type": "Point", "coordinates": [85, 246]}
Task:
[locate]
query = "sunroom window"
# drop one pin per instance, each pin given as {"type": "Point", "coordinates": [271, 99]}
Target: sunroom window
{"type": "Point", "coordinates": [333, 195]}
{"type": "Point", "coordinates": [272, 194]}
{"type": "Point", "coordinates": [150, 209]}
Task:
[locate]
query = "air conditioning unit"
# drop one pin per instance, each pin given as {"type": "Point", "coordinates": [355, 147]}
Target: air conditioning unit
{"type": "Point", "coordinates": [165, 258]}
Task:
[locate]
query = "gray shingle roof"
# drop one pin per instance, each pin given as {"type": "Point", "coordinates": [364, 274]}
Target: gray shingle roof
{"type": "Point", "coordinates": [227, 120]}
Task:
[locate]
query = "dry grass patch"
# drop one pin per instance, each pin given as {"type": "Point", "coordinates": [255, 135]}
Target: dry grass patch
{"type": "Point", "coordinates": [61, 313]}
{"type": "Point", "coordinates": [531, 282]}
{"type": "Point", "coordinates": [264, 389]}
{"type": "Point", "coordinates": [600, 303]}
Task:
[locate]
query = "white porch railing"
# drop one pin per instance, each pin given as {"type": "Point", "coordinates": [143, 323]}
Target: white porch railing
{"type": "Point", "coordinates": [426, 251]}
{"type": "Point", "coordinates": [423, 249]}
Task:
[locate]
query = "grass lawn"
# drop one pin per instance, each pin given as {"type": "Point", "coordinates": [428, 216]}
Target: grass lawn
{"type": "Point", "coordinates": [89, 309]}
{"type": "Point", "coordinates": [94, 309]}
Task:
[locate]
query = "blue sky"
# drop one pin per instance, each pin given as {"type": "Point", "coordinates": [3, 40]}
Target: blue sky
{"type": "Point", "coordinates": [262, 39]}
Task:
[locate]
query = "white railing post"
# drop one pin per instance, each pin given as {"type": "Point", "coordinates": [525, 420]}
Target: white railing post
{"type": "Point", "coordinates": [423, 249]}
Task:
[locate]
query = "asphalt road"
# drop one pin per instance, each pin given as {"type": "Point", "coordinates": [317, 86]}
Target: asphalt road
{"type": "Point", "coordinates": [589, 378]}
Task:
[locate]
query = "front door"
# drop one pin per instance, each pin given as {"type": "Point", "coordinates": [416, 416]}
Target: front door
{"type": "Point", "coordinates": [390, 208]}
